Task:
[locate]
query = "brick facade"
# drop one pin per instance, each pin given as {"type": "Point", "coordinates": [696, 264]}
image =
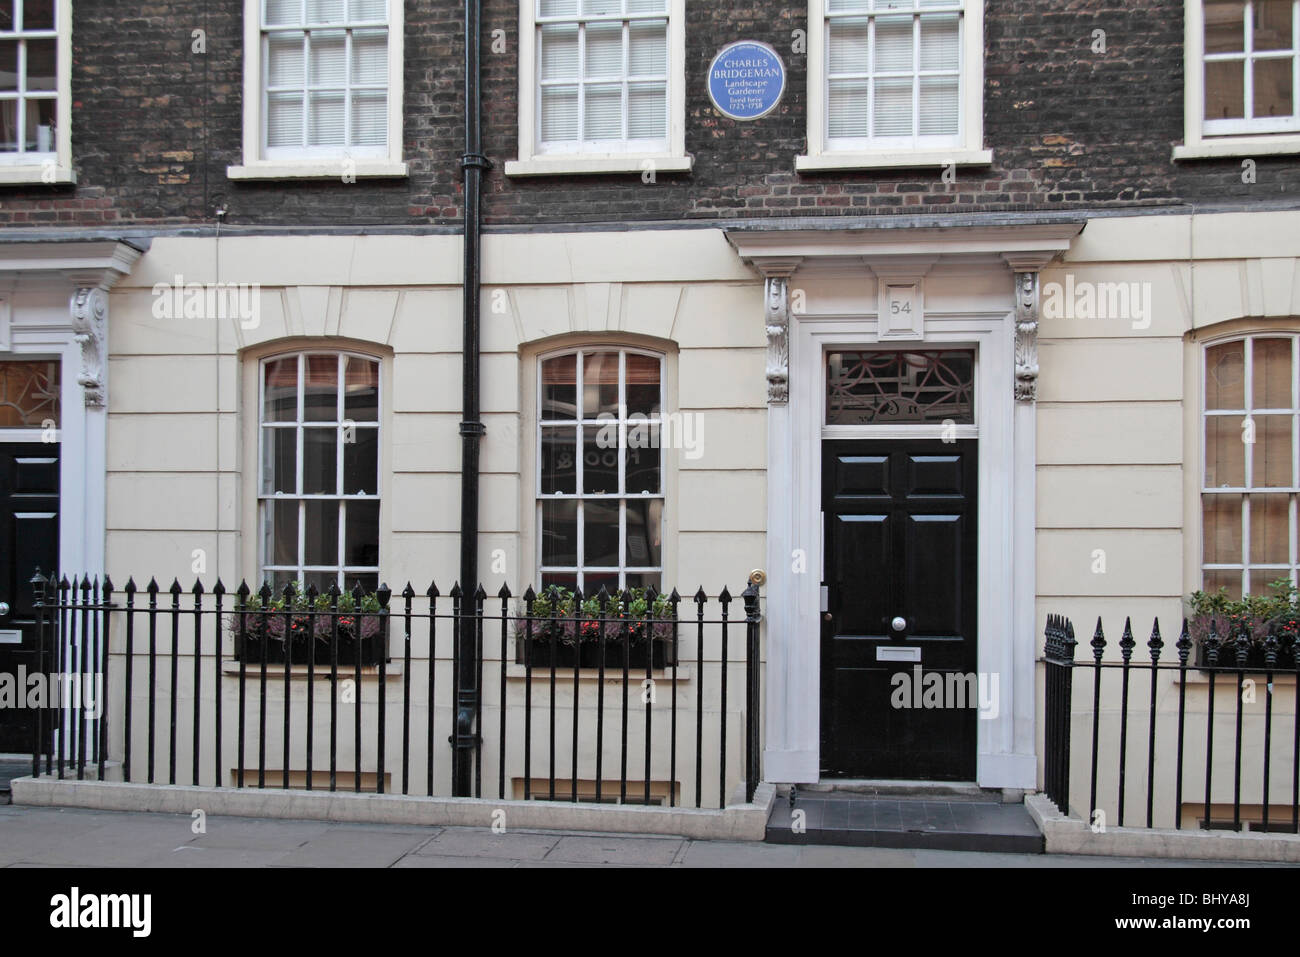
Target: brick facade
{"type": "Point", "coordinates": [156, 125]}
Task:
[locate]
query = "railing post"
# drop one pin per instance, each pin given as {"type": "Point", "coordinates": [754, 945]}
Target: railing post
{"type": "Point", "coordinates": [752, 723]}
{"type": "Point", "coordinates": [1059, 658]}
{"type": "Point", "coordinates": [38, 592]}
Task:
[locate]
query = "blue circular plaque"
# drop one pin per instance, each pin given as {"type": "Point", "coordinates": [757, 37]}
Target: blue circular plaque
{"type": "Point", "coordinates": [746, 80]}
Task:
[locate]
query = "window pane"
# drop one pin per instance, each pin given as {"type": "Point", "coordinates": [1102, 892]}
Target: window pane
{"type": "Point", "coordinates": [1261, 579]}
{"type": "Point", "coordinates": [643, 580]}
{"type": "Point", "coordinates": [643, 532]}
{"type": "Point", "coordinates": [847, 46]}
{"type": "Point", "coordinates": [322, 581]}
{"type": "Point", "coordinates": [1272, 26]}
{"type": "Point", "coordinates": [361, 546]}
{"type": "Point", "coordinates": [886, 386]}
{"type": "Point", "coordinates": [319, 461]}
{"type": "Point", "coordinates": [893, 44]}
{"type": "Point", "coordinates": [593, 582]}
{"type": "Point", "coordinates": [8, 65]}
{"type": "Point", "coordinates": [939, 107]}
{"type": "Point", "coordinates": [279, 461]}
{"type": "Point", "coordinates": [1215, 579]}
{"type": "Point", "coordinates": [604, 50]}
{"type": "Point", "coordinates": [1225, 26]}
{"type": "Point", "coordinates": [560, 533]}
{"type": "Point", "coordinates": [284, 119]}
{"type": "Point", "coordinates": [559, 54]}
{"type": "Point", "coordinates": [1270, 529]}
{"type": "Point", "coordinates": [1273, 88]}
{"type": "Point", "coordinates": [599, 464]}
{"type": "Point", "coordinates": [29, 393]}
{"type": "Point", "coordinates": [1271, 458]}
{"type": "Point", "coordinates": [281, 390]}
{"type": "Point", "coordinates": [648, 48]}
{"type": "Point", "coordinates": [361, 390]}
{"type": "Point", "coordinates": [324, 11]}
{"type": "Point", "coordinates": [361, 462]}
{"type": "Point", "coordinates": [6, 15]}
{"type": "Point", "coordinates": [600, 534]}
{"type": "Point", "coordinates": [939, 47]}
{"type": "Point", "coordinates": [327, 119]}
{"type": "Point", "coordinates": [1225, 97]}
{"type": "Point", "coordinates": [647, 112]}
{"type": "Point", "coordinates": [848, 106]}
{"type": "Point", "coordinates": [363, 11]}
{"type": "Point", "coordinates": [643, 463]}
{"type": "Point", "coordinates": [322, 528]}
{"type": "Point", "coordinates": [559, 387]}
{"type": "Point", "coordinates": [41, 74]}
{"type": "Point", "coordinates": [1271, 387]}
{"type": "Point", "coordinates": [643, 393]}
{"type": "Point", "coordinates": [328, 66]}
{"type": "Point", "coordinates": [283, 12]}
{"type": "Point", "coordinates": [1221, 529]}
{"type": "Point", "coordinates": [603, 112]}
{"type": "Point", "coordinates": [559, 113]}
{"type": "Point", "coordinates": [893, 108]}
{"type": "Point", "coordinates": [1225, 371]}
{"type": "Point", "coordinates": [38, 14]}
{"type": "Point", "coordinates": [369, 581]}
{"type": "Point", "coordinates": [321, 389]}
{"type": "Point", "coordinates": [599, 384]}
{"type": "Point", "coordinates": [370, 56]}
{"type": "Point", "coordinates": [281, 533]}
{"type": "Point", "coordinates": [1225, 463]}
{"type": "Point", "coordinates": [285, 60]}
{"type": "Point", "coordinates": [559, 462]}
{"type": "Point", "coordinates": [369, 119]}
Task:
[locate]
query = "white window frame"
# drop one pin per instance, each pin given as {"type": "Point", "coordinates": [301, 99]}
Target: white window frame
{"type": "Point", "coordinates": [968, 148]}
{"type": "Point", "coordinates": [1244, 567]}
{"type": "Point", "coordinates": [579, 495]}
{"type": "Point", "coordinates": [626, 158]}
{"type": "Point", "coordinates": [55, 166]}
{"type": "Point", "coordinates": [342, 164]}
{"type": "Point", "coordinates": [1202, 143]}
{"type": "Point", "coordinates": [265, 568]}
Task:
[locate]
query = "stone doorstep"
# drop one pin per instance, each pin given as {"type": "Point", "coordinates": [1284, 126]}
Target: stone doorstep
{"type": "Point", "coordinates": [1072, 835]}
{"type": "Point", "coordinates": [745, 822]}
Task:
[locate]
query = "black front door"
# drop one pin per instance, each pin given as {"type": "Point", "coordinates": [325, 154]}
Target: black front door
{"type": "Point", "coordinates": [898, 629]}
{"type": "Point", "coordinates": [29, 538]}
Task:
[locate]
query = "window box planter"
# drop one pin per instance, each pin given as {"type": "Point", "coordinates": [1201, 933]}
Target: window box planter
{"type": "Point", "coordinates": [635, 626]}
{"type": "Point", "coordinates": [305, 624]}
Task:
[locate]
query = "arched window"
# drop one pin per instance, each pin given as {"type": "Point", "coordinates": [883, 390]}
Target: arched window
{"type": "Point", "coordinates": [600, 481]}
{"type": "Point", "coordinates": [1248, 500]}
{"type": "Point", "coordinates": [318, 488]}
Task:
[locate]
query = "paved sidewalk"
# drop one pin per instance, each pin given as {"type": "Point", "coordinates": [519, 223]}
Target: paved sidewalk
{"type": "Point", "coordinates": [56, 837]}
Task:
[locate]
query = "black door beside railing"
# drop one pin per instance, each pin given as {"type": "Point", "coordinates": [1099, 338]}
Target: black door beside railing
{"type": "Point", "coordinates": [179, 650]}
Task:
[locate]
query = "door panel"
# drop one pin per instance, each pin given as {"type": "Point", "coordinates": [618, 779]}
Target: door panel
{"type": "Point", "coordinates": [900, 520]}
{"type": "Point", "coordinates": [29, 538]}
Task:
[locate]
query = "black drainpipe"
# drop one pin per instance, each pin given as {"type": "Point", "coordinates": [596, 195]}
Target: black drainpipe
{"type": "Point", "coordinates": [472, 165]}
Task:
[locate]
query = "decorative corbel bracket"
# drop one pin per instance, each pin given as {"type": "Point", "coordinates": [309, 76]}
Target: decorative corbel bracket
{"type": "Point", "coordinates": [89, 308]}
{"type": "Point", "coordinates": [776, 319]}
{"type": "Point", "coordinates": [1027, 336]}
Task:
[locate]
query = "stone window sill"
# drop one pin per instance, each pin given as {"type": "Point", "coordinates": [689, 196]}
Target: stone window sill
{"type": "Point", "coordinates": [592, 165]}
{"type": "Point", "coordinates": [36, 176]}
{"type": "Point", "coordinates": [892, 159]}
{"type": "Point", "coordinates": [319, 169]}
{"type": "Point", "coordinates": [1239, 146]}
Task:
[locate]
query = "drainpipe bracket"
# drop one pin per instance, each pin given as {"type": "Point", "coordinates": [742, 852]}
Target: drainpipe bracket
{"type": "Point", "coordinates": [475, 159]}
{"type": "Point", "coordinates": [473, 428]}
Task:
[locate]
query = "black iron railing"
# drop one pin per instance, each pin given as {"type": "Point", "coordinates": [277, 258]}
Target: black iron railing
{"type": "Point", "coordinates": [284, 659]}
{"type": "Point", "coordinates": [1166, 764]}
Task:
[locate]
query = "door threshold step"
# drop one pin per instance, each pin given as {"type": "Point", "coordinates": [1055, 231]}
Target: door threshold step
{"type": "Point", "coordinates": [933, 790]}
{"type": "Point", "coordinates": [933, 823]}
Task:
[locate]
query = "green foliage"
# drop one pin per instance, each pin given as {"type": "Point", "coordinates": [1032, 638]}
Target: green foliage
{"type": "Point", "coordinates": [1256, 614]}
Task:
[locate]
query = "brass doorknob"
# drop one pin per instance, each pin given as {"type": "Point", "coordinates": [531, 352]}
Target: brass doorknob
{"type": "Point", "coordinates": [827, 616]}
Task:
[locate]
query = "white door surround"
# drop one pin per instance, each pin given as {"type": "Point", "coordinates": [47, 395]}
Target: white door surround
{"type": "Point", "coordinates": [826, 289]}
{"type": "Point", "coordinates": [56, 297]}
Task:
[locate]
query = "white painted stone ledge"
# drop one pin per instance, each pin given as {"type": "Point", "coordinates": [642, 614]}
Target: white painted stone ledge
{"type": "Point", "coordinates": [1071, 835]}
{"type": "Point", "coordinates": [742, 822]}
